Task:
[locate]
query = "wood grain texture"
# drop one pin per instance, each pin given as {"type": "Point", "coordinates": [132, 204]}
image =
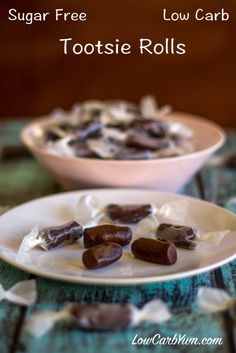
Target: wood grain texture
{"type": "Point", "coordinates": [68, 339]}
{"type": "Point", "coordinates": [10, 314]}
{"type": "Point", "coordinates": [219, 187]}
{"type": "Point", "coordinates": [17, 183]}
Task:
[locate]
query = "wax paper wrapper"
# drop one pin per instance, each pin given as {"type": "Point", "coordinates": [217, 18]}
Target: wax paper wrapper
{"type": "Point", "coordinates": [61, 147]}
{"type": "Point", "coordinates": [23, 293]}
{"type": "Point", "coordinates": [87, 211]}
{"type": "Point", "coordinates": [50, 237]}
{"type": "Point", "coordinates": [111, 142]}
{"type": "Point", "coordinates": [93, 213]}
{"type": "Point", "coordinates": [85, 214]}
{"type": "Point", "coordinates": [177, 213]}
{"type": "Point", "coordinates": [102, 317]}
{"type": "Point", "coordinates": [150, 108]}
{"type": "Point", "coordinates": [211, 300]}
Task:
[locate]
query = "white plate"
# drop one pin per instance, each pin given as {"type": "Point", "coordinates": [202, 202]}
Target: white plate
{"type": "Point", "coordinates": [65, 263]}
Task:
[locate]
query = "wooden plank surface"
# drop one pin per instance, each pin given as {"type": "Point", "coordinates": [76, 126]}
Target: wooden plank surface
{"type": "Point", "coordinates": [17, 184]}
{"type": "Point", "coordinates": [218, 186]}
{"type": "Point", "coordinates": [10, 315]}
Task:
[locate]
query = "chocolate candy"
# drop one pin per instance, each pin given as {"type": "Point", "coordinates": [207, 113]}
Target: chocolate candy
{"type": "Point", "coordinates": [102, 316]}
{"type": "Point", "coordinates": [181, 236]}
{"type": "Point", "coordinates": [152, 250]}
{"type": "Point", "coordinates": [116, 130]}
{"type": "Point", "coordinates": [105, 233]}
{"type": "Point", "coordinates": [54, 237]}
{"type": "Point", "coordinates": [101, 255]}
{"type": "Point", "coordinates": [143, 140]}
{"type": "Point", "coordinates": [89, 129]}
{"type": "Point", "coordinates": [81, 149]}
{"type": "Point", "coordinates": [99, 316]}
{"type": "Point", "coordinates": [152, 127]}
{"type": "Point", "coordinates": [132, 153]}
{"type": "Point", "coordinates": [128, 213]}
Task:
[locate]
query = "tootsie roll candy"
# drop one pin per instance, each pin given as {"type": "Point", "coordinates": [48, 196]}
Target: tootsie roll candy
{"type": "Point", "coordinates": [128, 213]}
{"type": "Point", "coordinates": [107, 232]}
{"type": "Point", "coordinates": [101, 255]}
{"type": "Point", "coordinates": [51, 237]}
{"type": "Point", "coordinates": [152, 250]}
{"type": "Point", "coordinates": [98, 316]}
{"type": "Point", "coordinates": [181, 236]}
{"type": "Point", "coordinates": [54, 237]}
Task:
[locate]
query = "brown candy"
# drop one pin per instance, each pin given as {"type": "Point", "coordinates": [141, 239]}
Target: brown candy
{"type": "Point", "coordinates": [128, 213]}
{"type": "Point", "coordinates": [101, 255]}
{"type": "Point", "coordinates": [132, 153]}
{"type": "Point", "coordinates": [81, 149]}
{"type": "Point", "coordinates": [104, 317]}
{"type": "Point", "coordinates": [152, 250]}
{"type": "Point", "coordinates": [89, 129]}
{"type": "Point", "coordinates": [54, 237]}
{"type": "Point", "coordinates": [107, 233]}
{"type": "Point", "coordinates": [153, 127]}
{"type": "Point", "coordinates": [181, 236]}
{"type": "Point", "coordinates": [143, 140]}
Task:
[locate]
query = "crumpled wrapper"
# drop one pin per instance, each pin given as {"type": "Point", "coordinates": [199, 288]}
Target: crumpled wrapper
{"type": "Point", "coordinates": [111, 142]}
{"type": "Point", "coordinates": [176, 213]}
{"type": "Point", "coordinates": [150, 108]}
{"type": "Point", "coordinates": [61, 147]}
{"type": "Point", "coordinates": [211, 300]}
{"type": "Point", "coordinates": [91, 213]}
{"type": "Point", "coordinates": [29, 242]}
{"type": "Point", "coordinates": [40, 323]}
{"type": "Point", "coordinates": [22, 293]}
{"type": "Point", "coordinates": [85, 212]}
{"type": "Point", "coordinates": [41, 237]}
{"type": "Point", "coordinates": [103, 147]}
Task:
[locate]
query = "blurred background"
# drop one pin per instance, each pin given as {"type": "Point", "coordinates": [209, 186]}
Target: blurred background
{"type": "Point", "coordinates": [36, 76]}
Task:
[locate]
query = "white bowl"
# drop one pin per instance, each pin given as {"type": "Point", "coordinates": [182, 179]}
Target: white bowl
{"type": "Point", "coordinates": [166, 174]}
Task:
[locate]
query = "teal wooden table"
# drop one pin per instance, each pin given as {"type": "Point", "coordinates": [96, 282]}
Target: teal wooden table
{"type": "Point", "coordinates": [22, 179]}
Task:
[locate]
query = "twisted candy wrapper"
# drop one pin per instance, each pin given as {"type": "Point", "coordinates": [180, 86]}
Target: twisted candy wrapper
{"type": "Point", "coordinates": [92, 213]}
{"type": "Point", "coordinates": [23, 293]}
{"type": "Point", "coordinates": [177, 213]}
{"type": "Point", "coordinates": [211, 300]}
{"type": "Point", "coordinates": [40, 323]}
{"type": "Point", "coordinates": [88, 213]}
{"type": "Point", "coordinates": [85, 212]}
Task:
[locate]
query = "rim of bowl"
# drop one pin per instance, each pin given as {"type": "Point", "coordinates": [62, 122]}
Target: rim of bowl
{"type": "Point", "coordinates": [175, 116]}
